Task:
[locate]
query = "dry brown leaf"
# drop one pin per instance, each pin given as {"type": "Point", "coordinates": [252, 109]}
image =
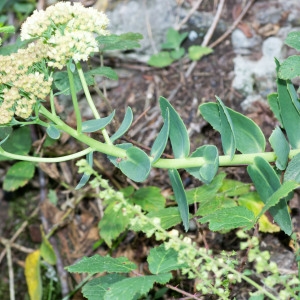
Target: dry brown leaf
{"type": "Point", "coordinates": [51, 212]}
{"type": "Point", "coordinates": [51, 170]}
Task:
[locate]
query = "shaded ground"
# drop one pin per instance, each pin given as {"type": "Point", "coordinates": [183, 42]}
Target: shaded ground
{"type": "Point", "coordinates": [139, 86]}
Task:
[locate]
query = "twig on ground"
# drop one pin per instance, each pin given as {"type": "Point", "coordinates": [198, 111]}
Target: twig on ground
{"type": "Point", "coordinates": [207, 36]}
{"type": "Point", "coordinates": [10, 272]}
{"type": "Point", "coordinates": [16, 246]}
{"type": "Point", "coordinates": [63, 275]}
{"type": "Point", "coordinates": [19, 231]}
{"type": "Point", "coordinates": [190, 13]}
{"type": "Point", "coordinates": [140, 116]}
{"type": "Point", "coordinates": [233, 26]}
{"type": "Point", "coordinates": [148, 26]}
{"type": "Point", "coordinates": [174, 288]}
{"type": "Point", "coordinates": [216, 42]}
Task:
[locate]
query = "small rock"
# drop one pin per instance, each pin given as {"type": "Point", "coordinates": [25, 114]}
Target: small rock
{"type": "Point", "coordinates": [256, 79]}
{"type": "Point", "coordinates": [134, 16]}
{"type": "Point", "coordinates": [266, 16]}
{"type": "Point", "coordinates": [155, 19]}
{"type": "Point", "coordinates": [244, 45]}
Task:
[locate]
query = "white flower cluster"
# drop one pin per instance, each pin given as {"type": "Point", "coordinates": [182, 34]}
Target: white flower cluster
{"type": "Point", "coordinates": [72, 17]}
{"type": "Point", "coordinates": [61, 32]}
{"type": "Point", "coordinates": [20, 89]}
{"type": "Point", "coordinates": [68, 30]}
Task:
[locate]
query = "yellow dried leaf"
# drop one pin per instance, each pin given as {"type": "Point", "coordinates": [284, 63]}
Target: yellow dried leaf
{"type": "Point", "coordinates": [253, 202]}
{"type": "Point", "coordinates": [33, 275]}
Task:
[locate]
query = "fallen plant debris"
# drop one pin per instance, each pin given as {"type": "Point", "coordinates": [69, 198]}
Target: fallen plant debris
{"type": "Point", "coordinates": [30, 82]}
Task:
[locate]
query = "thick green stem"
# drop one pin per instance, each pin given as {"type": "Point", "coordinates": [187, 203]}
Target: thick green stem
{"type": "Point", "coordinates": [74, 99]}
{"type": "Point", "coordinates": [110, 149]}
{"type": "Point", "coordinates": [91, 102]}
{"type": "Point", "coordinates": [52, 103]}
{"type": "Point", "coordinates": [45, 159]}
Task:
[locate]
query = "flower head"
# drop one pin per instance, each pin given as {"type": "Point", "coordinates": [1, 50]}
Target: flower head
{"type": "Point", "coordinates": [68, 30]}
{"type": "Point", "coordinates": [21, 88]}
{"type": "Point", "coordinates": [66, 17]}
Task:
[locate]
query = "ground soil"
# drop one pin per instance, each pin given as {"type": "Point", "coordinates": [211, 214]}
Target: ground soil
{"type": "Point", "coordinates": [140, 87]}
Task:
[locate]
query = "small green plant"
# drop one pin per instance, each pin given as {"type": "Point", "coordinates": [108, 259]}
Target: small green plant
{"type": "Point", "coordinates": [56, 42]}
{"type": "Point", "coordinates": [173, 51]}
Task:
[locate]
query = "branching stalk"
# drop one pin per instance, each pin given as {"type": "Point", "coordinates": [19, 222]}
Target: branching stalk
{"type": "Point", "coordinates": [74, 99]}
{"type": "Point", "coordinates": [110, 149]}
{"type": "Point", "coordinates": [90, 101]}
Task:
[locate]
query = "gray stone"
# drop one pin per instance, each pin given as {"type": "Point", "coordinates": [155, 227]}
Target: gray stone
{"type": "Point", "coordinates": [242, 44]}
{"type": "Point", "coordinates": [243, 81]}
{"type": "Point", "coordinates": [270, 16]}
{"type": "Point", "coordinates": [256, 79]}
{"type": "Point", "coordinates": [135, 16]}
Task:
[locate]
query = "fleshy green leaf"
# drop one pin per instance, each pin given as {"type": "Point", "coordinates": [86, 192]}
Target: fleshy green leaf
{"type": "Point", "coordinates": [115, 160]}
{"type": "Point", "coordinates": [290, 68]}
{"type": "Point", "coordinates": [161, 59]}
{"type": "Point", "coordinates": [229, 218]}
{"type": "Point", "coordinates": [160, 142]}
{"type": "Point", "coordinates": [18, 175]}
{"type": "Point", "coordinates": [294, 96]}
{"type": "Point", "coordinates": [97, 124]}
{"type": "Point", "coordinates": [19, 142]}
{"type": "Point", "coordinates": [128, 288]}
{"type": "Point", "coordinates": [137, 164]}
{"type": "Point", "coordinates": [5, 132]}
{"type": "Point", "coordinates": [248, 136]}
{"type": "Point", "coordinates": [83, 181]}
{"type": "Point", "coordinates": [274, 105]}
{"type": "Point", "coordinates": [33, 275]}
{"type": "Point", "coordinates": [292, 171]}
{"type": "Point", "coordinates": [149, 198]}
{"type": "Point", "coordinates": [104, 71]}
{"type": "Point", "coordinates": [124, 125]}
{"type": "Point", "coordinates": [289, 113]}
{"type": "Point", "coordinates": [197, 52]}
{"type": "Point", "coordinates": [207, 172]}
{"type": "Point", "coordinates": [113, 223]}
{"type": "Point", "coordinates": [180, 197]}
{"type": "Point", "coordinates": [178, 134]}
{"type": "Point", "coordinates": [267, 183]}
{"type": "Point", "coordinates": [227, 133]}
{"type": "Point", "coordinates": [281, 148]}
{"type": "Point", "coordinates": [161, 260]}
{"type": "Point", "coordinates": [98, 264]}
{"type": "Point", "coordinates": [96, 288]}
{"type": "Point", "coordinates": [85, 177]}
{"type": "Point", "coordinates": [53, 132]}
{"type": "Point", "coordinates": [125, 41]}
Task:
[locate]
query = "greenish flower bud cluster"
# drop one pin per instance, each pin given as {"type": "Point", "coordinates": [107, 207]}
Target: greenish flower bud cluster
{"type": "Point", "coordinates": [61, 32]}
